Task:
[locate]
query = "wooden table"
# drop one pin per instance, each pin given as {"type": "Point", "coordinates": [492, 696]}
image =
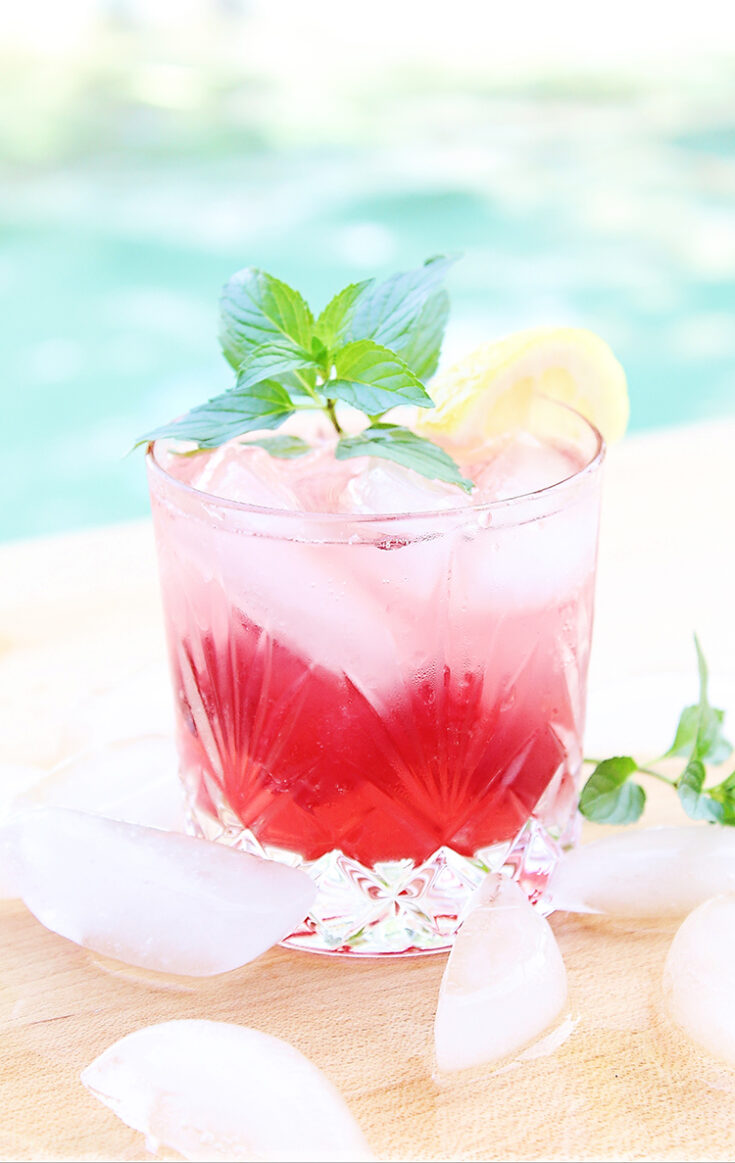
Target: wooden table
{"type": "Point", "coordinates": [79, 613]}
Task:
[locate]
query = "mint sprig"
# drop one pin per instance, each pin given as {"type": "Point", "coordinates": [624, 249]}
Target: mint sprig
{"type": "Point", "coordinates": [371, 349]}
{"type": "Point", "coordinates": [611, 797]}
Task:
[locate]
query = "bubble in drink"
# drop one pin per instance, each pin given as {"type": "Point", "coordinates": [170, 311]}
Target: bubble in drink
{"type": "Point", "coordinates": [217, 1091]}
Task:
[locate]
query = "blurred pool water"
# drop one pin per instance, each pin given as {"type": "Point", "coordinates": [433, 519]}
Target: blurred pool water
{"type": "Point", "coordinates": [594, 213]}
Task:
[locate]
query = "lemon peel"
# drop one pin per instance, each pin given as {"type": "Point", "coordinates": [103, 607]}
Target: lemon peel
{"type": "Point", "coordinates": [488, 392]}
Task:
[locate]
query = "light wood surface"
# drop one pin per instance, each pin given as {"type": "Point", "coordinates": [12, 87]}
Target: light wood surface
{"type": "Point", "coordinates": [81, 658]}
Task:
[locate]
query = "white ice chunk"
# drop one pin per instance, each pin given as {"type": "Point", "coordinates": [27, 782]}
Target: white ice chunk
{"type": "Point", "coordinates": [527, 564]}
{"type": "Point", "coordinates": [505, 981]}
{"type": "Point", "coordinates": [649, 872]}
{"type": "Point", "coordinates": [699, 977]}
{"type": "Point", "coordinates": [9, 874]}
{"type": "Point", "coordinates": [155, 899]}
{"type": "Point", "coordinates": [218, 1091]}
{"type": "Point", "coordinates": [15, 781]}
{"type": "Point", "coordinates": [524, 464]}
{"type": "Point", "coordinates": [318, 479]}
{"type": "Point", "coordinates": [249, 475]}
{"type": "Point", "coordinates": [389, 488]}
{"type": "Point", "coordinates": [304, 588]}
{"type": "Point", "coordinates": [133, 780]}
{"type": "Point", "coordinates": [341, 597]}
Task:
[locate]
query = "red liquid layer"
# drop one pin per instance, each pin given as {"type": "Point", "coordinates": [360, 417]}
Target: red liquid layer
{"type": "Point", "coordinates": [310, 763]}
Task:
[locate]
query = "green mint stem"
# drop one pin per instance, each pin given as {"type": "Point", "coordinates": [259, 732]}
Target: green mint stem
{"type": "Point", "coordinates": [609, 797]}
{"type": "Point", "coordinates": [328, 408]}
{"type": "Point", "coordinates": [333, 417]}
{"type": "Point", "coordinates": [640, 770]}
{"type": "Point", "coordinates": [657, 775]}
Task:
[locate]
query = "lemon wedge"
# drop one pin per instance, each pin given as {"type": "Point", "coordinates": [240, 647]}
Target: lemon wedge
{"type": "Point", "coordinates": [488, 391]}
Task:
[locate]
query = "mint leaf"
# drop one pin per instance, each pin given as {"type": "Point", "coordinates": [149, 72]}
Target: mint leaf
{"type": "Point", "coordinates": [283, 446]}
{"type": "Point", "coordinates": [374, 379]}
{"type": "Point", "coordinates": [388, 312]}
{"type": "Point", "coordinates": [263, 405]}
{"type": "Point", "coordinates": [256, 308]}
{"type": "Point", "coordinates": [697, 804]}
{"type": "Point", "coordinates": [724, 794]}
{"type": "Point", "coordinates": [686, 732]}
{"type": "Point", "coordinates": [421, 347]}
{"type": "Point", "coordinates": [301, 385]}
{"type": "Point", "coordinates": [710, 741]}
{"type": "Point", "coordinates": [699, 731]}
{"type": "Point", "coordinates": [401, 445]}
{"type": "Point", "coordinates": [334, 321]}
{"type": "Point", "coordinates": [268, 361]}
{"type": "Point", "coordinates": [608, 797]}
{"type": "Point", "coordinates": [319, 352]}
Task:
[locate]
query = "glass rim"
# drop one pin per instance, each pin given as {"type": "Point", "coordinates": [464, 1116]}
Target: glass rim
{"type": "Point", "coordinates": [505, 506]}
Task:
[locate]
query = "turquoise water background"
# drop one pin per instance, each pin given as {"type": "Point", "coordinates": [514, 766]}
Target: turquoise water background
{"type": "Point", "coordinates": [612, 209]}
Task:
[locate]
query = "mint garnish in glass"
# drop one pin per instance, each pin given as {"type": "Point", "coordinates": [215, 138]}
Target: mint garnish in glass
{"type": "Point", "coordinates": [371, 349]}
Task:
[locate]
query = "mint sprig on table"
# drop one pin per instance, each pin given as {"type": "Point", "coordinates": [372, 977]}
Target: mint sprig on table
{"type": "Point", "coordinates": [611, 796]}
{"type": "Point", "coordinates": [370, 349]}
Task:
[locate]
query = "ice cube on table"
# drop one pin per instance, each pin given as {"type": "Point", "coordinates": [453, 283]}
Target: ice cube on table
{"type": "Point", "coordinates": [699, 977]}
{"type": "Point", "coordinates": [383, 487]}
{"type": "Point", "coordinates": [504, 983]}
{"type": "Point", "coordinates": [219, 1091]}
{"type": "Point", "coordinates": [9, 875]}
{"type": "Point", "coordinates": [649, 872]}
{"type": "Point", "coordinates": [132, 779]}
{"type": "Point", "coordinates": [16, 780]}
{"type": "Point", "coordinates": [155, 899]}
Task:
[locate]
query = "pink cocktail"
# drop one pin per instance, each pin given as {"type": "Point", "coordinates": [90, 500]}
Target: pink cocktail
{"type": "Point", "coordinates": [378, 677]}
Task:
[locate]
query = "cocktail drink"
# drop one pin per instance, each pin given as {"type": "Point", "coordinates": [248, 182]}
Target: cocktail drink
{"type": "Point", "coordinates": [379, 677]}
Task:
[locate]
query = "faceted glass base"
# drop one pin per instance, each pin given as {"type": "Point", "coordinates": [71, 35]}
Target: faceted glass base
{"type": "Point", "coordinates": [398, 907]}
